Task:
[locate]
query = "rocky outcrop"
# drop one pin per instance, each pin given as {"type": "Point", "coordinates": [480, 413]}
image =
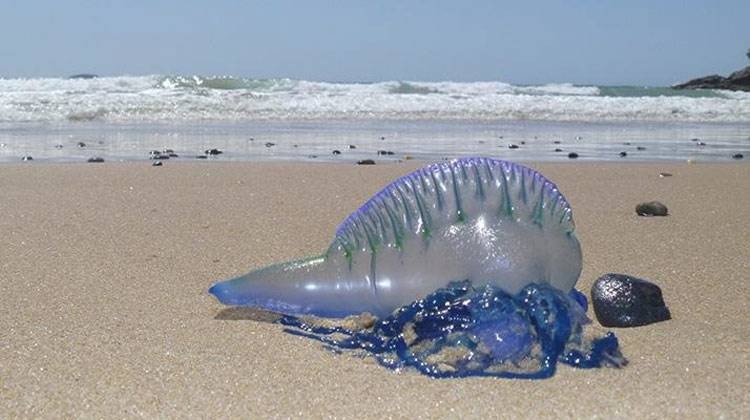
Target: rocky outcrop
{"type": "Point", "coordinates": [739, 80]}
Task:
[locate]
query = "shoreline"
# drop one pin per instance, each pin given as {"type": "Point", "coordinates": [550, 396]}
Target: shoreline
{"type": "Point", "coordinates": [106, 312]}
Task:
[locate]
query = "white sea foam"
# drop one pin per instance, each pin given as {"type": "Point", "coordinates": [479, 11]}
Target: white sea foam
{"type": "Point", "coordinates": [192, 98]}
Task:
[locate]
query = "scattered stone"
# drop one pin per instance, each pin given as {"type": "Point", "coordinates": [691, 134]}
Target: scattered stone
{"type": "Point", "coordinates": [295, 145]}
{"type": "Point", "coordinates": [579, 138]}
{"type": "Point", "coordinates": [556, 142]}
{"type": "Point", "coordinates": [481, 142]}
{"type": "Point", "coordinates": [27, 158]}
{"type": "Point", "coordinates": [251, 139]}
{"type": "Point", "coordinates": [159, 157]}
{"type": "Point", "coordinates": [173, 155]}
{"type": "Point", "coordinates": [558, 150]}
{"type": "Point", "coordinates": [664, 174]}
{"type": "Point", "coordinates": [623, 154]}
{"type": "Point", "coordinates": [523, 142]}
{"type": "Point", "coordinates": [337, 152]}
{"type": "Point", "coordinates": [737, 156]}
{"type": "Point", "coordinates": [159, 163]}
{"type": "Point", "coordinates": [95, 159]}
{"type": "Point", "coordinates": [312, 156]}
{"type": "Point", "coordinates": [695, 139]}
{"type": "Point", "coordinates": [366, 162]}
{"type": "Point", "coordinates": [627, 143]}
{"type": "Point", "coordinates": [154, 153]}
{"type": "Point", "coordinates": [270, 144]}
{"type": "Point", "coordinates": [620, 300]}
{"type": "Point", "coordinates": [385, 152]}
{"type": "Point", "coordinates": [81, 144]}
{"type": "Point", "coordinates": [168, 151]}
{"type": "Point", "coordinates": [700, 143]}
{"type": "Point", "coordinates": [572, 155]}
{"type": "Point", "coordinates": [382, 137]}
{"type": "Point", "coordinates": [512, 146]}
{"type": "Point", "coordinates": [640, 148]}
{"type": "Point", "coordinates": [351, 146]}
{"type": "Point", "coordinates": [58, 146]}
{"type": "Point", "coordinates": [201, 157]}
{"type": "Point", "coordinates": [652, 208]}
{"type": "Point", "coordinates": [213, 152]}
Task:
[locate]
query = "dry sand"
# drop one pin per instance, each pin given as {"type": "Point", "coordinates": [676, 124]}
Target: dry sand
{"type": "Point", "coordinates": [104, 310]}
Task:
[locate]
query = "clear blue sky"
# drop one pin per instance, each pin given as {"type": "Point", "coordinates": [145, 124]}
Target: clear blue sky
{"type": "Point", "coordinates": [589, 42]}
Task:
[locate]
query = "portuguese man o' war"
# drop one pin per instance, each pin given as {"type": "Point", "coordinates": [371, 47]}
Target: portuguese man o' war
{"type": "Point", "coordinates": [469, 266]}
{"type": "Point", "coordinates": [483, 220]}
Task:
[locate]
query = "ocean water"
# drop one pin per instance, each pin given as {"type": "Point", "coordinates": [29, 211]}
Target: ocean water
{"type": "Point", "coordinates": [123, 118]}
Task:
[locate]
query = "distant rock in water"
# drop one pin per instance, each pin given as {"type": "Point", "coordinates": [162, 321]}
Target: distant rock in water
{"type": "Point", "coordinates": [84, 76]}
{"type": "Point", "coordinates": [737, 156]}
{"type": "Point", "coordinates": [652, 208]}
{"type": "Point", "coordinates": [620, 300]}
{"type": "Point", "coordinates": [739, 80]}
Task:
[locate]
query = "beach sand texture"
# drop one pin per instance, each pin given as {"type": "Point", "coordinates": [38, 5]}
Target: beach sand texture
{"type": "Point", "coordinates": [104, 310]}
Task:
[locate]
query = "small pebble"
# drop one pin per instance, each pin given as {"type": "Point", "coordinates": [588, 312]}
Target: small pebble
{"type": "Point", "coordinates": [366, 162]}
{"type": "Point", "coordinates": [213, 152]}
{"type": "Point", "coordinates": [81, 144]}
{"type": "Point", "coordinates": [512, 146]}
{"type": "Point", "coordinates": [336, 152]}
{"type": "Point", "coordinates": [159, 163]}
{"type": "Point", "coordinates": [173, 155]}
{"type": "Point", "coordinates": [627, 143]}
{"type": "Point", "coordinates": [27, 158]}
{"type": "Point", "coordinates": [168, 151]}
{"type": "Point", "coordinates": [556, 142]}
{"type": "Point", "coordinates": [58, 146]}
{"type": "Point", "coordinates": [95, 160]}
{"type": "Point", "coordinates": [640, 148]}
{"type": "Point", "coordinates": [579, 138]}
{"type": "Point", "coordinates": [694, 139]}
{"type": "Point", "coordinates": [620, 300]}
{"type": "Point", "coordinates": [385, 152]}
{"type": "Point", "coordinates": [270, 144]}
{"type": "Point", "coordinates": [572, 155]}
{"type": "Point", "coordinates": [351, 146]}
{"type": "Point", "coordinates": [652, 208]}
{"type": "Point", "coordinates": [558, 150]}
{"type": "Point", "coordinates": [523, 142]}
{"type": "Point", "coordinates": [201, 157]}
{"type": "Point", "coordinates": [700, 143]}
{"type": "Point", "coordinates": [664, 174]}
{"type": "Point", "coordinates": [623, 154]}
{"type": "Point", "coordinates": [382, 137]}
{"type": "Point", "coordinates": [737, 156]}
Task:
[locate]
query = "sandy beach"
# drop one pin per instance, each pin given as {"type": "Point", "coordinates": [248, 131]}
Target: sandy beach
{"type": "Point", "coordinates": [105, 312]}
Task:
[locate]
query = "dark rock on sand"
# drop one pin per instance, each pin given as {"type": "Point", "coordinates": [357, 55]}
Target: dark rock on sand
{"type": "Point", "coordinates": [27, 158]}
{"type": "Point", "coordinates": [366, 162]}
{"type": "Point", "coordinates": [95, 160]}
{"type": "Point", "coordinates": [351, 146]}
{"type": "Point", "coordinates": [737, 156]}
{"type": "Point", "coordinates": [700, 143]}
{"type": "Point", "coordinates": [558, 150]}
{"type": "Point", "coordinates": [512, 146]}
{"type": "Point", "coordinates": [81, 144]}
{"type": "Point", "coordinates": [385, 152]}
{"type": "Point", "coordinates": [337, 152]}
{"type": "Point", "coordinates": [641, 148]}
{"type": "Point", "coordinates": [213, 152]}
{"type": "Point", "coordinates": [173, 155]}
{"type": "Point", "coordinates": [157, 163]}
{"type": "Point", "coordinates": [620, 300]}
{"type": "Point", "coordinates": [270, 144]}
{"type": "Point", "coordinates": [556, 142]}
{"type": "Point", "coordinates": [572, 155]}
{"type": "Point", "coordinates": [664, 174]}
{"type": "Point", "coordinates": [201, 157]}
{"type": "Point", "coordinates": [652, 208]}
{"type": "Point", "coordinates": [623, 154]}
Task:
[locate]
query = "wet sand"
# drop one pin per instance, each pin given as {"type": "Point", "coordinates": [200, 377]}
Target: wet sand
{"type": "Point", "coordinates": [104, 310]}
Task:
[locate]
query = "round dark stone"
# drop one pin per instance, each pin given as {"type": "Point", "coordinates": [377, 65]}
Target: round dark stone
{"type": "Point", "coordinates": [623, 154]}
{"type": "Point", "coordinates": [652, 208]}
{"type": "Point", "coordinates": [213, 152]}
{"type": "Point", "coordinates": [573, 155]}
{"type": "Point", "coordinates": [337, 152]}
{"type": "Point", "coordinates": [523, 142]}
{"type": "Point", "coordinates": [737, 156]}
{"type": "Point", "coordinates": [620, 300]}
{"type": "Point", "coordinates": [558, 150]}
{"type": "Point", "coordinates": [366, 162]}
{"type": "Point", "coordinates": [351, 146]}
{"type": "Point", "coordinates": [270, 144]}
{"type": "Point", "coordinates": [512, 146]}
